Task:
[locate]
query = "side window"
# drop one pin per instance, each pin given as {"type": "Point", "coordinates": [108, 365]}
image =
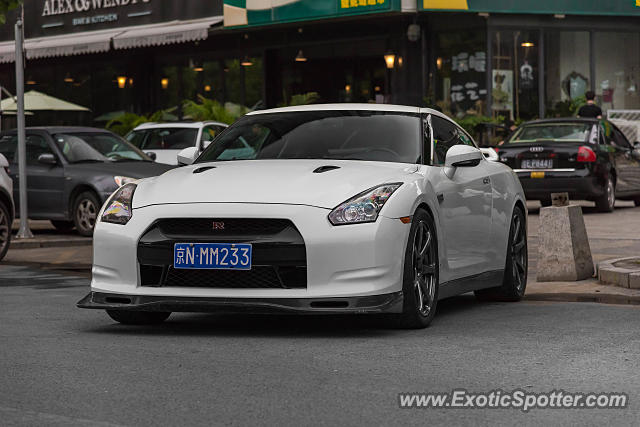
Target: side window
{"type": "Point", "coordinates": [136, 138]}
{"type": "Point", "coordinates": [426, 139]}
{"type": "Point", "coordinates": [620, 140]}
{"type": "Point", "coordinates": [445, 136]}
{"type": "Point", "coordinates": [8, 147]}
{"type": "Point", "coordinates": [36, 145]}
{"type": "Point", "coordinates": [210, 132]}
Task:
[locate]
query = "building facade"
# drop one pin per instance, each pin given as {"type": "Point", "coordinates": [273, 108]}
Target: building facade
{"type": "Point", "coordinates": [519, 59]}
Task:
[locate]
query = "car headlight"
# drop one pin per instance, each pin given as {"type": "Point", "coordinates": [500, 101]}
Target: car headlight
{"type": "Point", "coordinates": [364, 207]}
{"type": "Point", "coordinates": [122, 180]}
{"type": "Point", "coordinates": [119, 208]}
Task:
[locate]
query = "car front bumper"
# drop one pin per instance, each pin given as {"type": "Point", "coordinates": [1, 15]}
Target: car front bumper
{"type": "Point", "coordinates": [347, 261]}
{"type": "Point", "coordinates": [388, 303]}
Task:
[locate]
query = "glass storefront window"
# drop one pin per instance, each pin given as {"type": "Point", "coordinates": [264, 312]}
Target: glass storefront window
{"type": "Point", "coordinates": [461, 67]}
{"type": "Point", "coordinates": [567, 70]}
{"type": "Point", "coordinates": [515, 74]}
{"type": "Point", "coordinates": [617, 59]}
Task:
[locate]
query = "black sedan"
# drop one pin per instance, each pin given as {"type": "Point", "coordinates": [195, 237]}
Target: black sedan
{"type": "Point", "coordinates": [590, 159]}
{"type": "Point", "coordinates": [71, 171]}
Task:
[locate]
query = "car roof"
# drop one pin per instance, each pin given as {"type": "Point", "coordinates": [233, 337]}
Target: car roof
{"type": "Point", "coordinates": [348, 106]}
{"type": "Point", "coordinates": [194, 125]}
{"type": "Point", "coordinates": [62, 129]}
{"type": "Point", "coordinates": [563, 120]}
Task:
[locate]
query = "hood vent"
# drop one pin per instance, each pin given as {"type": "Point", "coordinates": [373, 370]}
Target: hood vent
{"type": "Point", "coordinates": [322, 169]}
{"type": "Point", "coordinates": [203, 169]}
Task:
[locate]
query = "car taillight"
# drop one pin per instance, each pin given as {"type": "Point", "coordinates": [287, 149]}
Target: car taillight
{"type": "Point", "coordinates": [586, 154]}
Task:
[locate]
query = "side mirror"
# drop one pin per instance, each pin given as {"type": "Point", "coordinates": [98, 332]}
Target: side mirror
{"type": "Point", "coordinates": [47, 159]}
{"type": "Point", "coordinates": [187, 156]}
{"type": "Point", "coordinates": [460, 156]}
{"type": "Point", "coordinates": [152, 155]}
{"type": "Point", "coordinates": [4, 163]}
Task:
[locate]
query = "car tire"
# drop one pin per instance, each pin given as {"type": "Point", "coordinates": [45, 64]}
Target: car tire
{"type": "Point", "coordinates": [138, 317]}
{"type": "Point", "coordinates": [5, 229]}
{"type": "Point", "coordinates": [514, 282]}
{"type": "Point", "coordinates": [63, 226]}
{"type": "Point", "coordinates": [420, 276]}
{"type": "Point", "coordinates": [607, 202]}
{"type": "Point", "coordinates": [85, 213]}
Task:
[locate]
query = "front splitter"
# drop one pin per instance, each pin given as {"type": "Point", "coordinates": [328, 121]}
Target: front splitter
{"type": "Point", "coordinates": [386, 303]}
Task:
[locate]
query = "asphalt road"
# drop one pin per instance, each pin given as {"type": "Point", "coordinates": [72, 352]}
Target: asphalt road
{"type": "Point", "coordinates": [64, 366]}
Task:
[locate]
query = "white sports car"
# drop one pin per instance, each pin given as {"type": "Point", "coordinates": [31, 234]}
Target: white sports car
{"type": "Point", "coordinates": [343, 208]}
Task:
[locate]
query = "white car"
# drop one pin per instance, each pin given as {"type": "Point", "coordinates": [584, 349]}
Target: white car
{"type": "Point", "coordinates": [163, 141]}
{"type": "Point", "coordinates": [345, 208]}
{"type": "Point", "coordinates": [6, 206]}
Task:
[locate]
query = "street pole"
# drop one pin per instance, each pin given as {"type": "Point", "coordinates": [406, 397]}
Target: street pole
{"type": "Point", "coordinates": [23, 232]}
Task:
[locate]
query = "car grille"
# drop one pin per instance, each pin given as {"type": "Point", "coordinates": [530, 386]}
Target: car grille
{"type": "Point", "coordinates": [233, 226]}
{"type": "Point", "coordinates": [259, 277]}
{"type": "Point", "coordinates": [279, 253]}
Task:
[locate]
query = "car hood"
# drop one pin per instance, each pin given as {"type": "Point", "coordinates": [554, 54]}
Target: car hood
{"type": "Point", "coordinates": [130, 169]}
{"type": "Point", "coordinates": [269, 181]}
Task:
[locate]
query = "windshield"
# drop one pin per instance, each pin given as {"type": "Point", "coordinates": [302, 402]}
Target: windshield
{"type": "Point", "coordinates": [561, 132]}
{"type": "Point", "coordinates": [170, 138]}
{"type": "Point", "coordinates": [97, 147]}
{"type": "Point", "coordinates": [341, 135]}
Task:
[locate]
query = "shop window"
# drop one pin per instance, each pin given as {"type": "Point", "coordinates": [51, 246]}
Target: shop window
{"type": "Point", "coordinates": [617, 59]}
{"type": "Point", "coordinates": [567, 71]}
{"type": "Point", "coordinates": [461, 66]}
{"type": "Point", "coordinates": [514, 91]}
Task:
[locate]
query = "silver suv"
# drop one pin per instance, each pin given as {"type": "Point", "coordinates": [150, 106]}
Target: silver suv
{"type": "Point", "coordinates": [163, 141]}
{"type": "Point", "coordinates": [6, 206]}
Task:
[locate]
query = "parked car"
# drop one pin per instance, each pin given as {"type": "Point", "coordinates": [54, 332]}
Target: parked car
{"type": "Point", "coordinates": [6, 206]}
{"type": "Point", "coordinates": [163, 141]}
{"type": "Point", "coordinates": [345, 208]}
{"type": "Point", "coordinates": [71, 171]}
{"type": "Point", "coordinates": [590, 159]}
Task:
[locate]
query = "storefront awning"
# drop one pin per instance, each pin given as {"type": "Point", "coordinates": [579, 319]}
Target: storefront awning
{"type": "Point", "coordinates": [71, 44]}
{"type": "Point", "coordinates": [123, 38]}
{"type": "Point", "coordinates": [166, 33]}
{"type": "Point", "coordinates": [7, 52]}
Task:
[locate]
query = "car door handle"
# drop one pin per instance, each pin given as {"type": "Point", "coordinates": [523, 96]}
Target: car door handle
{"type": "Point", "coordinates": [486, 180]}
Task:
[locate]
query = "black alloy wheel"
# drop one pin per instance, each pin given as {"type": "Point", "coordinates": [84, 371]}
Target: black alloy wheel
{"type": "Point", "coordinates": [5, 230]}
{"type": "Point", "coordinates": [420, 279]}
{"type": "Point", "coordinates": [514, 282]}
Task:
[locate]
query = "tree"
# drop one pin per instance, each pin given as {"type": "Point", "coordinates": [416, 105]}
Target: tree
{"type": "Point", "coordinates": [7, 5]}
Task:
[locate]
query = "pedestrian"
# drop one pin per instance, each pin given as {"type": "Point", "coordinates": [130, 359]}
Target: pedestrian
{"type": "Point", "coordinates": [590, 109]}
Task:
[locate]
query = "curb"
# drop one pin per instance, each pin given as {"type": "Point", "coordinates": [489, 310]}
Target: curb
{"type": "Point", "coordinates": [609, 274]}
{"type": "Point", "coordinates": [54, 243]}
{"type": "Point", "coordinates": [582, 297]}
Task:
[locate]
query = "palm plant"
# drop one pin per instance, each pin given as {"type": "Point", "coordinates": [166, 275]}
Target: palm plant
{"type": "Point", "coordinates": [126, 122]}
{"type": "Point", "coordinates": [210, 109]}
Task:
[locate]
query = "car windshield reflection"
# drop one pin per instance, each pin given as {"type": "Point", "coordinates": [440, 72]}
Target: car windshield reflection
{"type": "Point", "coordinates": [97, 147]}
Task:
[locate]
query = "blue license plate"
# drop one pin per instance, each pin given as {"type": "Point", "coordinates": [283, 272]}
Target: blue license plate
{"type": "Point", "coordinates": [212, 256]}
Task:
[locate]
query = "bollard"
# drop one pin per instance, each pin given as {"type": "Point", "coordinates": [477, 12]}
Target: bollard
{"type": "Point", "coordinates": [564, 252]}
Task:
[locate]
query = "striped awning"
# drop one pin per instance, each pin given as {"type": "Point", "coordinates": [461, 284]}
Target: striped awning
{"type": "Point", "coordinates": [122, 38]}
{"type": "Point", "coordinates": [167, 33]}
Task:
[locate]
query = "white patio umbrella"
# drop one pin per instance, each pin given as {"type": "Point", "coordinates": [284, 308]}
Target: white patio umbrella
{"type": "Point", "coordinates": [38, 101]}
